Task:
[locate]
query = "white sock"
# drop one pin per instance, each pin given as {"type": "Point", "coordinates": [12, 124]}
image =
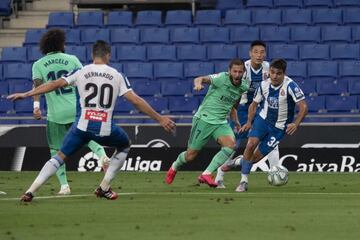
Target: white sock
{"type": "Point", "coordinates": [206, 172]}
{"type": "Point", "coordinates": [273, 157]}
{"type": "Point", "coordinates": [46, 172]}
{"type": "Point", "coordinates": [116, 162]}
{"type": "Point", "coordinates": [244, 178]}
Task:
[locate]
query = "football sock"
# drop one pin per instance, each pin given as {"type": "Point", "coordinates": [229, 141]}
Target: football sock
{"type": "Point", "coordinates": [49, 169]}
{"type": "Point", "coordinates": [179, 161]}
{"type": "Point", "coordinates": [116, 162]}
{"type": "Point", "coordinates": [61, 172]}
{"type": "Point", "coordinates": [97, 149]}
{"type": "Point", "coordinates": [224, 154]}
{"type": "Point", "coordinates": [245, 169]}
{"type": "Point", "coordinates": [273, 158]}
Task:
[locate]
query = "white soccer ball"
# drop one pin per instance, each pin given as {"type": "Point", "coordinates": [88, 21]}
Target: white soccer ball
{"type": "Point", "coordinates": [278, 176]}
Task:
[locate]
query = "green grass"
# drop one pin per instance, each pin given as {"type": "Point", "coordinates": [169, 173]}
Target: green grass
{"type": "Point", "coordinates": [310, 206]}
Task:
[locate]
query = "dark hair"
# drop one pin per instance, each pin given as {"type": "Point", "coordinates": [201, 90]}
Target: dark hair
{"type": "Point", "coordinates": [236, 61]}
{"type": "Point", "coordinates": [257, 43]}
{"type": "Point", "coordinates": [53, 41]}
{"type": "Point", "coordinates": [100, 48]}
{"type": "Point", "coordinates": [279, 64]}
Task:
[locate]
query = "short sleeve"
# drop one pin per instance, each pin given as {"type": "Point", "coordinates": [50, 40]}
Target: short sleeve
{"type": "Point", "coordinates": [258, 95]}
{"type": "Point", "coordinates": [36, 73]}
{"type": "Point", "coordinates": [124, 84]}
{"type": "Point", "coordinates": [216, 79]}
{"type": "Point", "coordinates": [295, 92]}
{"type": "Point", "coordinates": [72, 77]}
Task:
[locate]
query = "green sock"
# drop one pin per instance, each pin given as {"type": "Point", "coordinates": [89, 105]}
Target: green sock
{"type": "Point", "coordinates": [97, 149]}
{"type": "Point", "coordinates": [61, 172]}
{"type": "Point", "coordinates": [179, 161]}
{"type": "Point", "coordinates": [224, 154]}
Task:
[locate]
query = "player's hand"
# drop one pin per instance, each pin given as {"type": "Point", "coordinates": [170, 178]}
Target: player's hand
{"type": "Point", "coordinates": [37, 113]}
{"type": "Point", "coordinates": [237, 127]}
{"type": "Point", "coordinates": [16, 96]}
{"type": "Point", "coordinates": [198, 85]}
{"type": "Point", "coordinates": [245, 127]}
{"type": "Point", "coordinates": [168, 124]}
{"type": "Point", "coordinates": [291, 128]}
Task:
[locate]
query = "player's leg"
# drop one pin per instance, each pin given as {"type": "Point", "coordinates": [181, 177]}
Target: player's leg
{"type": "Point", "coordinates": [100, 152]}
{"type": "Point", "coordinates": [273, 157]}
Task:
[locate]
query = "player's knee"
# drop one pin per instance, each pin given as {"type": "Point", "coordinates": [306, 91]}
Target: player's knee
{"type": "Point", "coordinates": [251, 145]}
{"type": "Point", "coordinates": [190, 155]}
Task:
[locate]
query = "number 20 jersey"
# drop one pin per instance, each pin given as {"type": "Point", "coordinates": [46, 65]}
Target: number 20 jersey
{"type": "Point", "coordinates": [98, 86]}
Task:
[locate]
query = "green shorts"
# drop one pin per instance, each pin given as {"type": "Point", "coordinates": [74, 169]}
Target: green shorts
{"type": "Point", "coordinates": [201, 132]}
{"type": "Point", "coordinates": [55, 134]}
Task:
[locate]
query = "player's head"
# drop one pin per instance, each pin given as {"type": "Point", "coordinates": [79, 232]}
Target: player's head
{"type": "Point", "coordinates": [53, 41]}
{"type": "Point", "coordinates": [236, 70]}
{"type": "Point", "coordinates": [102, 50]}
{"type": "Point", "coordinates": [257, 52]}
{"type": "Point", "coordinates": [277, 71]}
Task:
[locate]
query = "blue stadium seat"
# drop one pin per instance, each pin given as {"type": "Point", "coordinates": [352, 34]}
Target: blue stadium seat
{"type": "Point", "coordinates": [146, 88]}
{"type": "Point", "coordinates": [318, 3]}
{"type": "Point", "coordinates": [125, 36]}
{"type": "Point", "coordinates": [161, 53]}
{"type": "Point", "coordinates": [175, 88]}
{"type": "Point", "coordinates": [214, 35]}
{"type": "Point", "coordinates": [138, 70]}
{"type": "Point", "coordinates": [351, 16]}
{"type": "Point", "coordinates": [336, 34]}
{"type": "Point", "coordinates": [314, 52]}
{"type": "Point", "coordinates": [178, 18]}
{"type": "Point", "coordinates": [154, 36]}
{"type": "Point", "coordinates": [183, 104]}
{"type": "Point", "coordinates": [296, 16]}
{"type": "Point", "coordinates": [90, 19]}
{"type": "Point", "coordinates": [275, 34]}
{"type": "Point", "coordinates": [331, 86]}
{"type": "Point", "coordinates": [221, 52]}
{"type": "Point", "coordinates": [345, 51]}
{"type": "Point", "coordinates": [168, 70]}
{"type": "Point", "coordinates": [346, 3]}
{"type": "Point", "coordinates": [347, 119]}
{"type": "Point", "coordinates": [72, 36]}
{"type": "Point", "coordinates": [14, 54]}
{"type": "Point", "coordinates": [221, 66]}
{"type": "Point", "coordinates": [306, 34]}
{"type": "Point", "coordinates": [196, 69]}
{"type": "Point", "coordinates": [5, 8]}
{"type": "Point", "coordinates": [33, 36]}
{"type": "Point", "coordinates": [119, 19]}
{"type": "Point", "coordinates": [78, 51]}
{"type": "Point", "coordinates": [296, 69]}
{"type": "Point", "coordinates": [288, 4]}
{"type": "Point", "coordinates": [17, 71]}
{"type": "Point", "coordinates": [323, 69]}
{"type": "Point", "coordinates": [148, 18]}
{"type": "Point", "coordinates": [259, 4]}
{"type": "Point", "coordinates": [243, 51]}
{"type": "Point", "coordinates": [244, 34]}
{"type": "Point", "coordinates": [327, 16]}
{"type": "Point", "coordinates": [20, 86]}
{"type": "Point", "coordinates": [24, 106]}
{"type": "Point", "coordinates": [208, 18]}
{"type": "Point", "coordinates": [266, 17]}
{"type": "Point", "coordinates": [4, 88]}
{"type": "Point", "coordinates": [33, 54]}
{"type": "Point", "coordinates": [131, 53]}
{"type": "Point", "coordinates": [185, 35]}
{"type": "Point", "coordinates": [91, 35]}
{"type": "Point", "coordinates": [341, 103]}
{"type": "Point", "coordinates": [1, 72]}
{"type": "Point", "coordinates": [354, 86]}
{"type": "Point", "coordinates": [61, 19]}
{"type": "Point", "coordinates": [228, 4]}
{"type": "Point", "coordinates": [123, 106]}
{"type": "Point", "coordinates": [285, 51]}
{"type": "Point", "coordinates": [117, 66]}
{"type": "Point", "coordinates": [356, 34]}
{"type": "Point", "coordinates": [349, 68]}
{"type": "Point", "coordinates": [308, 86]}
{"type": "Point", "coordinates": [316, 104]}
{"type": "Point", "coordinates": [159, 104]}
{"type": "Point", "coordinates": [6, 106]}
{"type": "Point", "coordinates": [311, 119]}
{"type": "Point", "coordinates": [237, 17]}
{"type": "Point", "coordinates": [191, 53]}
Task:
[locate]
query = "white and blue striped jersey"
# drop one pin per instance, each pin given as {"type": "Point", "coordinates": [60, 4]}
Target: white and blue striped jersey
{"type": "Point", "coordinates": [277, 104]}
{"type": "Point", "coordinates": [98, 87]}
{"type": "Point", "coordinates": [255, 77]}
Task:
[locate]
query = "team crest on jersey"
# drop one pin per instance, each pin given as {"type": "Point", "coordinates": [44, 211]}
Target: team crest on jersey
{"type": "Point", "coordinates": [97, 116]}
{"type": "Point", "coordinates": [282, 92]}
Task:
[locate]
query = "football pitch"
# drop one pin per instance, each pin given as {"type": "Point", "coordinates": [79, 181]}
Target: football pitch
{"type": "Point", "coordinates": [310, 206]}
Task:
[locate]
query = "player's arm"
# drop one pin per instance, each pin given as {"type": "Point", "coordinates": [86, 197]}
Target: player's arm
{"type": "Point", "coordinates": [303, 110]}
{"type": "Point", "coordinates": [234, 116]}
{"type": "Point", "coordinates": [198, 82]}
{"type": "Point", "coordinates": [251, 114]}
{"type": "Point", "coordinates": [37, 112]}
{"type": "Point", "coordinates": [144, 107]}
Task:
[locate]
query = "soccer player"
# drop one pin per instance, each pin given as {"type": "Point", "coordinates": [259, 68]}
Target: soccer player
{"type": "Point", "coordinates": [98, 86]}
{"type": "Point", "coordinates": [210, 121]}
{"type": "Point", "coordinates": [61, 104]}
{"type": "Point", "coordinates": [257, 70]}
{"type": "Point", "coordinates": [277, 97]}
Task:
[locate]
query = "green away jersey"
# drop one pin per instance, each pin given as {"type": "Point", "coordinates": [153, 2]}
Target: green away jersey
{"type": "Point", "coordinates": [220, 98]}
{"type": "Point", "coordinates": [61, 103]}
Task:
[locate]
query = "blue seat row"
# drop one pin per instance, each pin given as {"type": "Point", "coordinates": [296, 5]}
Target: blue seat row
{"type": "Point", "coordinates": [5, 7]}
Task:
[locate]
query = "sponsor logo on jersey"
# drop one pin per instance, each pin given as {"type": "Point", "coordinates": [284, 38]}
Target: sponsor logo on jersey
{"type": "Point", "coordinates": [97, 116]}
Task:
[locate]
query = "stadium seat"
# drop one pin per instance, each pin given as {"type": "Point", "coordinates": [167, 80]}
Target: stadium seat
{"type": "Point", "coordinates": [266, 17]}
{"type": "Point", "coordinates": [347, 119]}
{"type": "Point", "coordinates": [91, 35]}
{"type": "Point", "coordinates": [117, 66]}
{"type": "Point", "coordinates": [196, 69]}
{"type": "Point", "coordinates": [131, 53]}
{"type": "Point", "coordinates": [345, 52]}
{"type": "Point", "coordinates": [228, 4]}
{"type": "Point", "coordinates": [17, 71]}
{"type": "Point", "coordinates": [178, 18]}
{"type": "Point", "coordinates": [243, 51]}
{"type": "Point", "coordinates": [161, 53]}
{"type": "Point", "coordinates": [214, 35]}
{"type": "Point", "coordinates": [33, 54]}
{"type": "Point", "coordinates": [125, 36]}
{"type": "Point", "coordinates": [146, 88]}
{"type": "Point", "coordinates": [293, 17]}
{"type": "Point", "coordinates": [5, 106]}
{"type": "Point", "coordinates": [221, 52]}
{"type": "Point", "coordinates": [221, 66]}
{"type": "Point", "coordinates": [61, 19]}
{"type": "Point", "coordinates": [154, 36]}
{"type": "Point", "coordinates": [259, 4]}
{"type": "Point", "coordinates": [5, 8]}
{"type": "Point", "coordinates": [314, 52]}
{"type": "Point", "coordinates": [346, 3]}
{"type": "Point", "coordinates": [20, 86]}
{"type": "Point", "coordinates": [185, 35]}
{"type": "Point", "coordinates": [14, 54]}
{"type": "Point", "coordinates": [316, 104]}
{"type": "Point", "coordinates": [183, 104]}
{"type": "Point", "coordinates": [72, 37]}
{"type": "Point", "coordinates": [331, 86]}
{"type": "Point", "coordinates": [336, 34]}
{"type": "Point", "coordinates": [296, 69]}
{"type": "Point", "coordinates": [327, 16]}
{"type": "Point", "coordinates": [288, 4]}
{"type": "Point", "coordinates": [354, 86]}
{"type": "Point", "coordinates": [191, 53]}
{"type": "Point", "coordinates": [1, 72]}
{"type": "Point", "coordinates": [275, 34]}
{"type": "Point", "coordinates": [137, 70]}
{"type": "Point", "coordinates": [123, 106]}
{"type": "Point", "coordinates": [318, 3]}
{"type": "Point", "coordinates": [148, 18]}
{"type": "Point", "coordinates": [308, 86]}
{"type": "Point", "coordinates": [341, 103]}
{"type": "Point", "coordinates": [208, 18]}
{"type": "Point", "coordinates": [94, 19]}
{"type": "Point", "coordinates": [285, 51]}
{"type": "Point", "coordinates": [244, 34]}
{"type": "Point", "coordinates": [159, 104]}
{"type": "Point", "coordinates": [175, 88]}
{"type": "Point", "coordinates": [119, 19]}
{"type": "Point", "coordinates": [323, 119]}
{"type": "Point", "coordinates": [306, 34]}
{"type": "Point", "coordinates": [237, 17]}
{"type": "Point", "coordinates": [4, 89]}
{"type": "Point", "coordinates": [351, 16]}
{"type": "Point", "coordinates": [356, 34]}
{"type": "Point", "coordinates": [24, 106]}
{"type": "Point", "coordinates": [323, 69]}
{"type": "Point", "coordinates": [349, 68]}
{"type": "Point", "coordinates": [78, 51]}
{"type": "Point", "coordinates": [33, 36]}
{"type": "Point", "coordinates": [168, 70]}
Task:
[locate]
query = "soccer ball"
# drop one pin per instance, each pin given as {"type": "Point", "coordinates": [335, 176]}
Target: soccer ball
{"type": "Point", "coordinates": [278, 176]}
